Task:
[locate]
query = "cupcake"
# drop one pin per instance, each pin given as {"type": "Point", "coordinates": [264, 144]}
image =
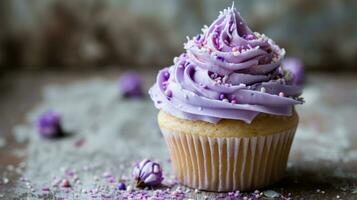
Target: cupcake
{"type": "Point", "coordinates": [227, 108]}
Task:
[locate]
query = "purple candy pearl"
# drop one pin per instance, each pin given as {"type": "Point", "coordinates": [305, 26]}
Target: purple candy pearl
{"type": "Point", "coordinates": [121, 186]}
{"type": "Point", "coordinates": [147, 173]}
{"type": "Point", "coordinates": [130, 84]}
{"type": "Point", "coordinates": [49, 124]}
{"type": "Point", "coordinates": [296, 68]}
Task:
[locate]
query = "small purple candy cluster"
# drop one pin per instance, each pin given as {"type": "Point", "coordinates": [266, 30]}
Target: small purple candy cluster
{"type": "Point", "coordinates": [147, 173]}
{"type": "Point", "coordinates": [130, 85]}
{"type": "Point", "coordinates": [49, 124]}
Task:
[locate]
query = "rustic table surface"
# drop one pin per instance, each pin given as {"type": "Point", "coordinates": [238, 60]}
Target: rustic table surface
{"type": "Point", "coordinates": [107, 134]}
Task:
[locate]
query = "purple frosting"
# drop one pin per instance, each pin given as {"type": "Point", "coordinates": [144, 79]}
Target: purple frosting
{"type": "Point", "coordinates": [227, 72]}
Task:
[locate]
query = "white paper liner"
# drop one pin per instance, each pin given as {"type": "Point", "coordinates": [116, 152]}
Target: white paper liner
{"type": "Point", "coordinates": [229, 164]}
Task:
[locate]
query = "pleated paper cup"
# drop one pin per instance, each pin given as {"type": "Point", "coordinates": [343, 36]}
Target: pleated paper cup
{"type": "Point", "coordinates": [229, 163]}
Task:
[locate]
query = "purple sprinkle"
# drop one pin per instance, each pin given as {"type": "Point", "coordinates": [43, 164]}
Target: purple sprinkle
{"type": "Point", "coordinates": [130, 85]}
{"type": "Point", "coordinates": [121, 186]}
{"type": "Point", "coordinates": [249, 37]}
{"type": "Point", "coordinates": [221, 97]}
{"type": "Point", "coordinates": [69, 172]}
{"type": "Point", "coordinates": [79, 142]}
{"type": "Point", "coordinates": [220, 58]}
{"type": "Point", "coordinates": [166, 75]}
{"type": "Point", "coordinates": [168, 93]}
{"type": "Point", "coordinates": [106, 196]}
{"type": "Point", "coordinates": [49, 124]}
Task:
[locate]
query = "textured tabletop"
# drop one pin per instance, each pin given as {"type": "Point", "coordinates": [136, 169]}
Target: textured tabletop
{"type": "Point", "coordinates": [108, 134]}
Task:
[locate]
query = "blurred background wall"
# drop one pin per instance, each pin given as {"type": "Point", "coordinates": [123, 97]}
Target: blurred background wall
{"type": "Point", "coordinates": [148, 33]}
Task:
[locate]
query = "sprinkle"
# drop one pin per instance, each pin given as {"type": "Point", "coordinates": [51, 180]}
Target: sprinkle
{"type": "Point", "coordinates": [225, 100]}
{"type": "Point", "coordinates": [234, 101]}
{"type": "Point", "coordinates": [221, 96]}
{"type": "Point", "coordinates": [106, 196]}
{"type": "Point", "coordinates": [168, 93]}
{"type": "Point", "coordinates": [5, 180]}
{"type": "Point", "coordinates": [338, 196]}
{"type": "Point", "coordinates": [281, 94]}
{"type": "Point", "coordinates": [224, 79]}
{"type": "Point", "coordinates": [65, 183]}
{"type": "Point", "coordinates": [129, 188]}
{"type": "Point", "coordinates": [262, 89]}
{"type": "Point", "coordinates": [176, 59]}
{"type": "Point", "coordinates": [236, 53]}
{"type": "Point", "coordinates": [220, 58]}
{"type": "Point", "coordinates": [200, 108]}
{"type": "Point", "coordinates": [167, 75]}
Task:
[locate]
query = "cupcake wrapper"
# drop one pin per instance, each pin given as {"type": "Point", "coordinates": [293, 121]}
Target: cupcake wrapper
{"type": "Point", "coordinates": [229, 164]}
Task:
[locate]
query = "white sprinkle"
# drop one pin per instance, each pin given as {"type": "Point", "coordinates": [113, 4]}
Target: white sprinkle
{"type": "Point", "coordinates": [338, 196]}
{"type": "Point", "coordinates": [225, 78]}
{"type": "Point", "coordinates": [196, 190]}
{"type": "Point", "coordinates": [176, 59]}
{"type": "Point", "coordinates": [318, 190]}
{"type": "Point", "coordinates": [225, 100]}
{"type": "Point", "coordinates": [236, 53]}
{"type": "Point", "coordinates": [322, 192]}
{"type": "Point", "coordinates": [281, 94]}
{"type": "Point", "coordinates": [263, 89]}
{"type": "Point", "coordinates": [242, 85]}
{"type": "Point", "coordinates": [129, 188]}
{"type": "Point", "coordinates": [200, 108]}
{"type": "Point", "coordinates": [5, 180]}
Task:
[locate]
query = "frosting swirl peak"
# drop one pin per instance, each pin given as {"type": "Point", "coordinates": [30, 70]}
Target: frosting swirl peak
{"type": "Point", "coordinates": [227, 72]}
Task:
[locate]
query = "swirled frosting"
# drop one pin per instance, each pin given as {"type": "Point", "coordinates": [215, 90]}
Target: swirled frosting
{"type": "Point", "coordinates": [227, 72]}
